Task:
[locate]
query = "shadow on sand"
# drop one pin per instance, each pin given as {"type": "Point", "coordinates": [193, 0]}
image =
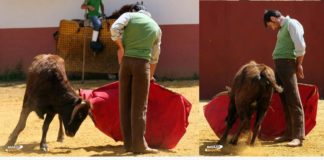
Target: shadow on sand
{"type": "Point", "coordinates": [19, 84]}
{"type": "Point", "coordinates": [34, 148]}
{"type": "Point", "coordinates": [234, 150]}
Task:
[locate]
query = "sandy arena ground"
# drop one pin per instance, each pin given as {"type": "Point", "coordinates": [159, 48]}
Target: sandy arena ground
{"type": "Point", "coordinates": [89, 141]}
{"type": "Point", "coordinates": [312, 146]}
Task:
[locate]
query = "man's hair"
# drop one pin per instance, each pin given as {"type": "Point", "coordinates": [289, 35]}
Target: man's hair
{"type": "Point", "coordinates": [138, 6]}
{"type": "Point", "coordinates": [270, 13]}
{"type": "Point", "coordinates": [134, 7]}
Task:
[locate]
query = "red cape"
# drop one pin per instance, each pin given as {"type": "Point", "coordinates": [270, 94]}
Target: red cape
{"type": "Point", "coordinates": [167, 114]}
{"type": "Point", "coordinates": [273, 124]}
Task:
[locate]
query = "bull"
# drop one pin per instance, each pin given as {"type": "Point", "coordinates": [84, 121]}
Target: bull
{"type": "Point", "coordinates": [251, 92]}
{"type": "Point", "coordinates": [48, 92]}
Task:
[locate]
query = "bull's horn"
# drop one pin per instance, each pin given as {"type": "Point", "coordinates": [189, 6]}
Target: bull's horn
{"type": "Point", "coordinates": [83, 102]}
{"type": "Point", "coordinates": [76, 109]}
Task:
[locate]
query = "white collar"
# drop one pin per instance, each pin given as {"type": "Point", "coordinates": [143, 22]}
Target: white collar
{"type": "Point", "coordinates": [145, 12]}
{"type": "Point", "coordinates": [284, 20]}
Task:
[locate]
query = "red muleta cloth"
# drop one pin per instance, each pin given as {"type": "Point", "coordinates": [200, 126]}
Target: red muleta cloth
{"type": "Point", "coordinates": [273, 124]}
{"type": "Point", "coordinates": [166, 119]}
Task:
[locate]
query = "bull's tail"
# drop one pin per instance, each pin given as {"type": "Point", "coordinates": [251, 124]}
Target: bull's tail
{"type": "Point", "coordinates": [269, 75]}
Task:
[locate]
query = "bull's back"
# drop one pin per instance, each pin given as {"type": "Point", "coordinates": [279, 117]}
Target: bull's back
{"type": "Point", "coordinates": [46, 69]}
{"type": "Point", "coordinates": [246, 86]}
{"type": "Point", "coordinates": [44, 77]}
{"type": "Point", "coordinates": [45, 63]}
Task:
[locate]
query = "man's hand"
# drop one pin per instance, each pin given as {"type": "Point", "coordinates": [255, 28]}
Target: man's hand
{"type": "Point", "coordinates": [91, 8]}
{"type": "Point", "coordinates": [300, 71]}
{"type": "Point", "coordinates": [152, 71]}
{"type": "Point", "coordinates": [120, 54]}
{"type": "Point", "coordinates": [84, 6]}
{"type": "Point", "coordinates": [152, 79]}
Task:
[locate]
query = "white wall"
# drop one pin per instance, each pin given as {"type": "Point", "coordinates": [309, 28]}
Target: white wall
{"type": "Point", "coordinates": [48, 13]}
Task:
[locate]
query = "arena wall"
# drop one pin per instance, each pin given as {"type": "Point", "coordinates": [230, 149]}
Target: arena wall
{"type": "Point", "coordinates": [27, 27]}
{"type": "Point", "coordinates": [233, 33]}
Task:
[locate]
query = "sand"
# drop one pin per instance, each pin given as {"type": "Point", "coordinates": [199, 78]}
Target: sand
{"type": "Point", "coordinates": [312, 146]}
{"type": "Point", "coordinates": [89, 141]}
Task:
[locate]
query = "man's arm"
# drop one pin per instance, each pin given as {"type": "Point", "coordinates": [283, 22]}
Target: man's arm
{"type": "Point", "coordinates": [86, 6]}
{"type": "Point", "coordinates": [155, 54]}
{"type": "Point", "coordinates": [120, 51]}
{"type": "Point", "coordinates": [296, 32]}
{"type": "Point", "coordinates": [117, 30]}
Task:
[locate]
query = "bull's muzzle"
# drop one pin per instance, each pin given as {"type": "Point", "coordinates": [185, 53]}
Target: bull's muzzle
{"type": "Point", "coordinates": [70, 134]}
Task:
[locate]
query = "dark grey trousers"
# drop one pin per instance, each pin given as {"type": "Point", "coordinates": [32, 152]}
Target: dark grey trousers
{"type": "Point", "coordinates": [285, 70]}
{"type": "Point", "coordinates": [134, 86]}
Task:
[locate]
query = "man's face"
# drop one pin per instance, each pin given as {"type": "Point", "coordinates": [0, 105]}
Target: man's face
{"type": "Point", "coordinates": [274, 24]}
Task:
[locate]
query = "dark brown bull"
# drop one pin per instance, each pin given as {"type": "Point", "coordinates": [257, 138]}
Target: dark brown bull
{"type": "Point", "coordinates": [48, 92]}
{"type": "Point", "coordinates": [251, 92]}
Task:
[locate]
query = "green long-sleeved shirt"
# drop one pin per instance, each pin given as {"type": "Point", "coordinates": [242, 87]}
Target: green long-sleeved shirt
{"type": "Point", "coordinates": [290, 41]}
{"type": "Point", "coordinates": [140, 34]}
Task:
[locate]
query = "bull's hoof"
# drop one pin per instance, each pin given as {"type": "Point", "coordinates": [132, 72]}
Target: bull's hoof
{"type": "Point", "coordinates": [60, 139]}
{"type": "Point", "coordinates": [233, 141]}
{"type": "Point", "coordinates": [221, 142]}
{"type": "Point", "coordinates": [252, 143]}
{"type": "Point", "coordinates": [10, 143]}
{"type": "Point", "coordinates": [44, 148]}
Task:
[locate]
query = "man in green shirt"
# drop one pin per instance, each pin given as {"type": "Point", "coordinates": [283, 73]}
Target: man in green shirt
{"type": "Point", "coordinates": [288, 57]}
{"type": "Point", "coordinates": [92, 7]}
{"type": "Point", "coordinates": [138, 38]}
